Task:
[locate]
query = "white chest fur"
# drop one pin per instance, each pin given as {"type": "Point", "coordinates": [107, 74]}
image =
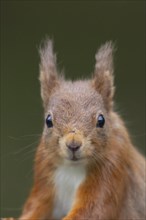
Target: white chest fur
{"type": "Point", "coordinates": [67, 180]}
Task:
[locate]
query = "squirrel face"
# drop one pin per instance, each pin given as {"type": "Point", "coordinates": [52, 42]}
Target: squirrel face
{"type": "Point", "coordinates": [74, 109]}
{"type": "Point", "coordinates": [76, 113]}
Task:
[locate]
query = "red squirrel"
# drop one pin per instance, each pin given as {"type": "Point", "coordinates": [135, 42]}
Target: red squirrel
{"type": "Point", "coordinates": [86, 166]}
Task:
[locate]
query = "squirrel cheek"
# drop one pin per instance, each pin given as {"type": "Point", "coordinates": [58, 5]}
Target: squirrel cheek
{"type": "Point", "coordinates": [88, 149]}
{"type": "Point", "coordinates": [63, 150]}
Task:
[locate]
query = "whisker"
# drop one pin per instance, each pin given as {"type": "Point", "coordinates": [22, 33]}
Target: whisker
{"type": "Point", "coordinates": [23, 136]}
{"type": "Point", "coordinates": [96, 161]}
{"type": "Point", "coordinates": [111, 165]}
{"type": "Point", "coordinates": [28, 155]}
{"type": "Point", "coordinates": [30, 151]}
{"type": "Point", "coordinates": [24, 148]}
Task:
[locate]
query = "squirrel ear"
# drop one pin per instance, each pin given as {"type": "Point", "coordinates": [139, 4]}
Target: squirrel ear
{"type": "Point", "coordinates": [103, 75]}
{"type": "Point", "coordinates": [48, 71]}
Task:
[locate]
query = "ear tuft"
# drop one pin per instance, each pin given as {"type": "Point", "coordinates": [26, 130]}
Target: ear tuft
{"type": "Point", "coordinates": [48, 71]}
{"type": "Point", "coordinates": [104, 58]}
{"type": "Point", "coordinates": [47, 56]}
{"type": "Point", "coordinates": [103, 75]}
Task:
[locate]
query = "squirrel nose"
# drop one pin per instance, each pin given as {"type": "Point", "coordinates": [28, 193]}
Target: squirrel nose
{"type": "Point", "coordinates": [73, 146]}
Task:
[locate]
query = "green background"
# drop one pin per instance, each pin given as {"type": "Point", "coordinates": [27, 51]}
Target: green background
{"type": "Point", "coordinates": [78, 29]}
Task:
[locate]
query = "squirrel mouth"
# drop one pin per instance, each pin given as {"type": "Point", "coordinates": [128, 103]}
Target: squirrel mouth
{"type": "Point", "coordinates": [74, 158]}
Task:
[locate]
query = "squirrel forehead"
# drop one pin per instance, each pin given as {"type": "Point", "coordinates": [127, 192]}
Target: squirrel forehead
{"type": "Point", "coordinates": [76, 97]}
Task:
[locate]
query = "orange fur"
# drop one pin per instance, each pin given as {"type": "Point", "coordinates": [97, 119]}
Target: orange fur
{"type": "Point", "coordinates": [113, 185]}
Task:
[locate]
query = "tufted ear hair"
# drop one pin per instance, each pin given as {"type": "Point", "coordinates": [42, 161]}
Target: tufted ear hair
{"type": "Point", "coordinates": [49, 79]}
{"type": "Point", "coordinates": [103, 75]}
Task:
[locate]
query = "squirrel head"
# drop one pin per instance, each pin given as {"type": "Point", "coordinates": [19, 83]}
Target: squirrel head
{"type": "Point", "coordinates": [77, 114]}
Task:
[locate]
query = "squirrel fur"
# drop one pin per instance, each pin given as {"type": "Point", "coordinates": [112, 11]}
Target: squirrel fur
{"type": "Point", "coordinates": [83, 171]}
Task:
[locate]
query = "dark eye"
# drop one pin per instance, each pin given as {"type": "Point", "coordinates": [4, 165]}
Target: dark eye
{"type": "Point", "coordinates": [49, 121]}
{"type": "Point", "coordinates": [100, 121]}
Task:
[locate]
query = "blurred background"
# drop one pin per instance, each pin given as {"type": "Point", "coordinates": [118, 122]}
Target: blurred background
{"type": "Point", "coordinates": [78, 29]}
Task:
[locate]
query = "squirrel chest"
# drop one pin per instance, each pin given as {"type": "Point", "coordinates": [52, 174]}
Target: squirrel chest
{"type": "Point", "coordinates": [67, 180]}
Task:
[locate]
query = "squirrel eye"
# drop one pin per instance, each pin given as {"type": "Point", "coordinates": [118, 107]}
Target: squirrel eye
{"type": "Point", "coordinates": [49, 121]}
{"type": "Point", "coordinates": [100, 121]}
